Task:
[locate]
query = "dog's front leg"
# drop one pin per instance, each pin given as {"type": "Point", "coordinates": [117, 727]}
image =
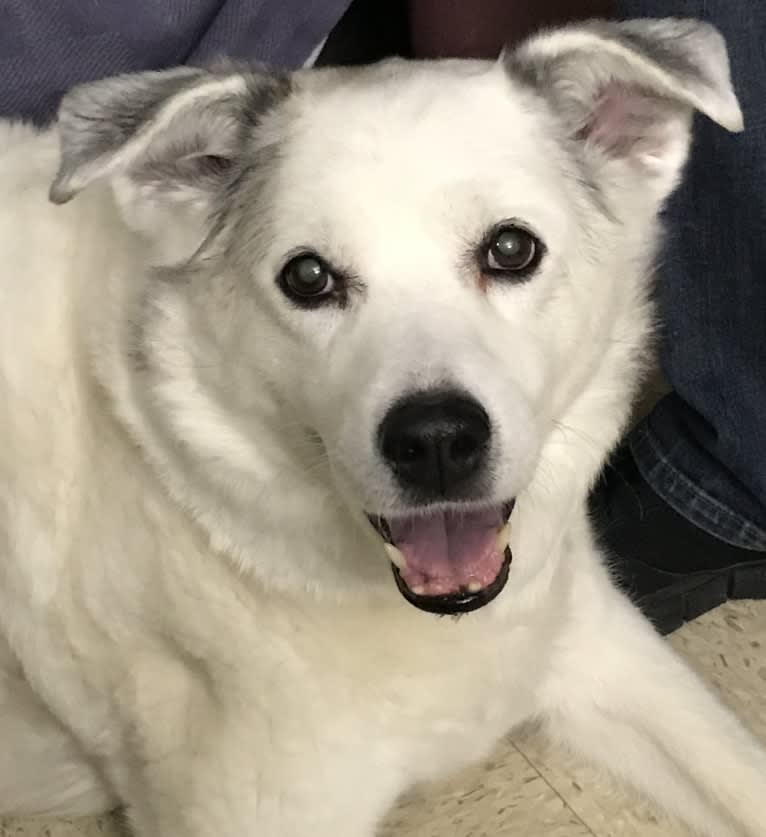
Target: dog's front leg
{"type": "Point", "coordinates": [204, 758]}
{"type": "Point", "coordinates": [228, 792]}
{"type": "Point", "coordinates": [621, 696]}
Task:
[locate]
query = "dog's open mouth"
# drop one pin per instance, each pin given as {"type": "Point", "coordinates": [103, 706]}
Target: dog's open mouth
{"type": "Point", "coordinates": [451, 561]}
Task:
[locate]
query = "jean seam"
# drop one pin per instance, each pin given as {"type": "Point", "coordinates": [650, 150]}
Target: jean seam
{"type": "Point", "coordinates": [690, 500]}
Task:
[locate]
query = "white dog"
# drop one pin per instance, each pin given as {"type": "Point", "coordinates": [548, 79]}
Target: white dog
{"type": "Point", "coordinates": [270, 389]}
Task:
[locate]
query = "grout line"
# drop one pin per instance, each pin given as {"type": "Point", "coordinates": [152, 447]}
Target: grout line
{"type": "Point", "coordinates": [534, 767]}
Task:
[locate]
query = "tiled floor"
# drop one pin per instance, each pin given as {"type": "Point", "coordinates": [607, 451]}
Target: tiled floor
{"type": "Point", "coordinates": [530, 790]}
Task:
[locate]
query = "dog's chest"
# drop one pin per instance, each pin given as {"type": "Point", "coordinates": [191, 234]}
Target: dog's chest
{"type": "Point", "coordinates": [434, 699]}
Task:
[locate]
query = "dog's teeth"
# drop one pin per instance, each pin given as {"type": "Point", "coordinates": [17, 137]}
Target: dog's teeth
{"type": "Point", "coordinates": [474, 586]}
{"type": "Point", "coordinates": [503, 537]}
{"type": "Point", "coordinates": [395, 556]}
{"type": "Point", "coordinates": [419, 590]}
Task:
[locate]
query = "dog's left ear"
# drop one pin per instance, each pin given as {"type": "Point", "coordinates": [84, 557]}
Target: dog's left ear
{"type": "Point", "coordinates": [628, 90]}
{"type": "Point", "coordinates": [168, 142]}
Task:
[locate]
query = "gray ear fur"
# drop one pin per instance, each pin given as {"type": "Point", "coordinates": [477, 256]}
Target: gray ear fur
{"type": "Point", "coordinates": [171, 131]}
{"type": "Point", "coordinates": [629, 88]}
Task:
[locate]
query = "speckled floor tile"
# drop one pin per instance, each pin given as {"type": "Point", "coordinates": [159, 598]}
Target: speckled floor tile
{"type": "Point", "coordinates": [606, 808]}
{"type": "Point", "coordinates": [86, 827]}
{"type": "Point", "coordinates": [505, 798]}
{"type": "Point", "coordinates": [728, 648]}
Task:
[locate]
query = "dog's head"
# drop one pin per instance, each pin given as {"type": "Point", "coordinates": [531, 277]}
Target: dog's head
{"type": "Point", "coordinates": [380, 307]}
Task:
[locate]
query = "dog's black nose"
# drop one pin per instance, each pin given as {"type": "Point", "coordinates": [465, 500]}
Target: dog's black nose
{"type": "Point", "coordinates": [436, 443]}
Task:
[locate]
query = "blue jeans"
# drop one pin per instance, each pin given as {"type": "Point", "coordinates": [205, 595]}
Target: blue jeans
{"type": "Point", "coordinates": [703, 448]}
{"type": "Point", "coordinates": [48, 46]}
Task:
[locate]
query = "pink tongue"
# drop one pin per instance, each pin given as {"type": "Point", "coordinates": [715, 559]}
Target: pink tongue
{"type": "Point", "coordinates": [447, 551]}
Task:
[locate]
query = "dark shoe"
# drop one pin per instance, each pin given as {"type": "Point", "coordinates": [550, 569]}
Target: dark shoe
{"type": "Point", "coordinates": [673, 570]}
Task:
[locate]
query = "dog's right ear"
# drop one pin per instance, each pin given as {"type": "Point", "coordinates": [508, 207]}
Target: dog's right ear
{"type": "Point", "coordinates": [627, 90]}
{"type": "Point", "coordinates": [167, 141]}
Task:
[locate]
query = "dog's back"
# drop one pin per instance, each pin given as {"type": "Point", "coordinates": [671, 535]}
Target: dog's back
{"type": "Point", "coordinates": [41, 769]}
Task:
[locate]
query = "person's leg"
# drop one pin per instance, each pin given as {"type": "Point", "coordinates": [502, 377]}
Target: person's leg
{"type": "Point", "coordinates": [374, 29]}
{"type": "Point", "coordinates": [49, 46]}
{"type": "Point", "coordinates": [480, 29]}
{"type": "Point", "coordinates": [688, 499]}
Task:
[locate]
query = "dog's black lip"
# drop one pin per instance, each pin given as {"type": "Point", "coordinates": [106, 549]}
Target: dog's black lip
{"type": "Point", "coordinates": [457, 603]}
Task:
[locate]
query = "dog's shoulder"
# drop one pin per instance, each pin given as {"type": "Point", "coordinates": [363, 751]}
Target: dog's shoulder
{"type": "Point", "coordinates": [47, 410]}
{"type": "Point", "coordinates": [27, 155]}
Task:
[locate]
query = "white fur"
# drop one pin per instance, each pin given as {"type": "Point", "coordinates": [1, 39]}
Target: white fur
{"type": "Point", "coordinates": [196, 619]}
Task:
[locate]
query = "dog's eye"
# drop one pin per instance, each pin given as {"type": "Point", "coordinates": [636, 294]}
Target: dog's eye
{"type": "Point", "coordinates": [306, 279]}
{"type": "Point", "coordinates": [512, 250]}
